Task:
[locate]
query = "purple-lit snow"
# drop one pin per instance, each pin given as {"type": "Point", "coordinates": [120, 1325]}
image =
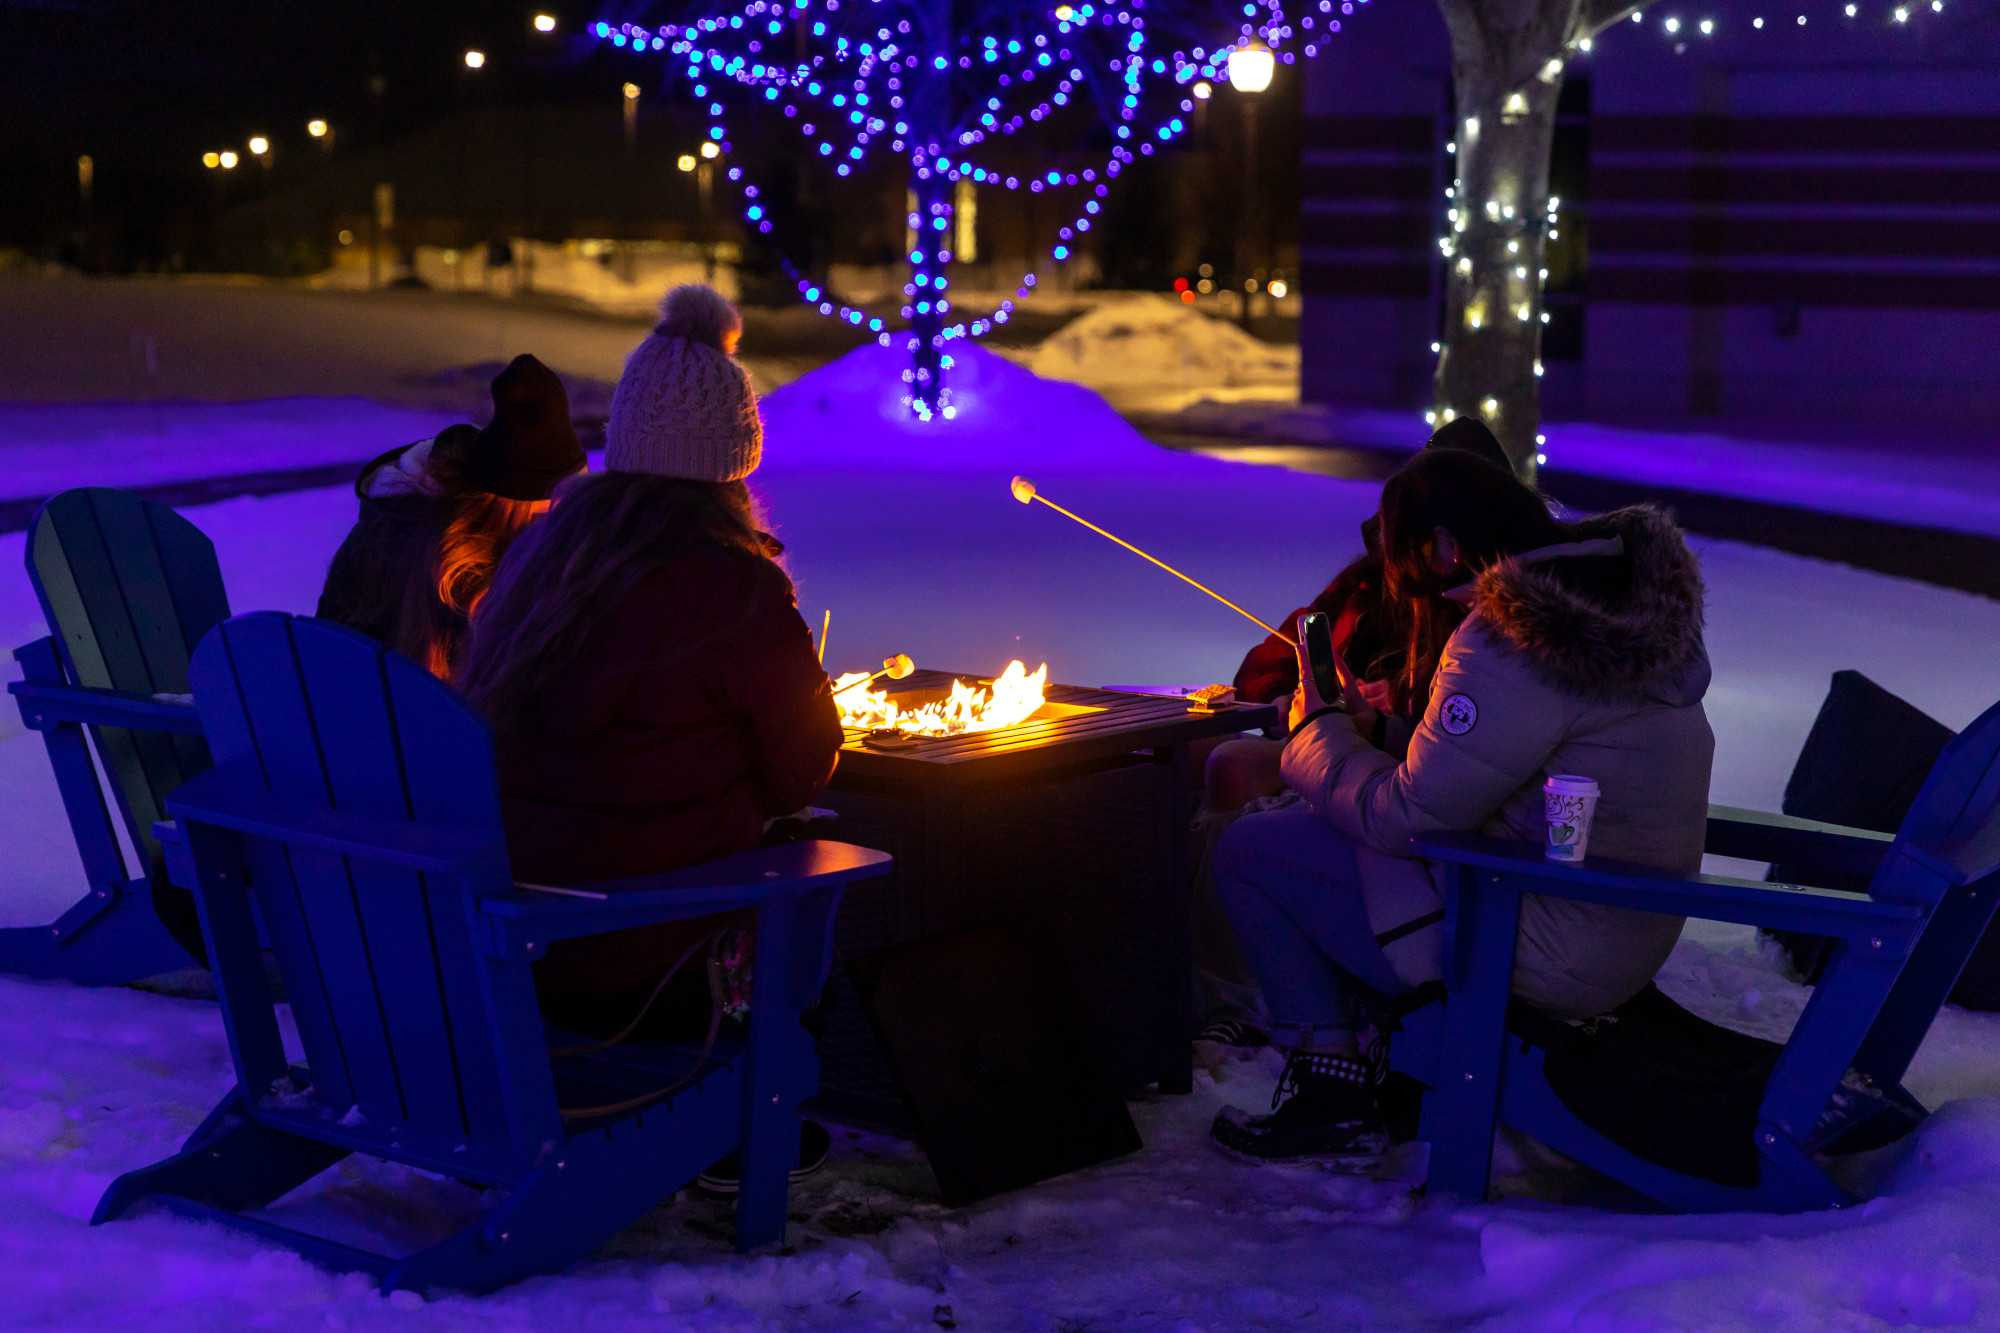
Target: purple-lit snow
{"type": "Point", "coordinates": [909, 535]}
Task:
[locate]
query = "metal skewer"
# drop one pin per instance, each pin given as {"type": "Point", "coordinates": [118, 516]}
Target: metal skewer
{"type": "Point", "coordinates": [1024, 491]}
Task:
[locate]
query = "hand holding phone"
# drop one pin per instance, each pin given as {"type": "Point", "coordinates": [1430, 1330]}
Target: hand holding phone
{"type": "Point", "coordinates": [1320, 661]}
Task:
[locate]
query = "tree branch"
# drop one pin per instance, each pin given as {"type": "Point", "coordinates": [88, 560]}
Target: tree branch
{"type": "Point", "coordinates": [1594, 16]}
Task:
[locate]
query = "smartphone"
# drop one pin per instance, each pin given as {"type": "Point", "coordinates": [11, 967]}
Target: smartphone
{"type": "Point", "coordinates": [1328, 672]}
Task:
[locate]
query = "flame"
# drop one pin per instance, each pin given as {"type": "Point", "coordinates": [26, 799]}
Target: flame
{"type": "Point", "coordinates": [1013, 698]}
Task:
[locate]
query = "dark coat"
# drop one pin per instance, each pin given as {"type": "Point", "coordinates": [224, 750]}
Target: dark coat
{"type": "Point", "coordinates": [398, 530]}
{"type": "Point", "coordinates": [697, 711]}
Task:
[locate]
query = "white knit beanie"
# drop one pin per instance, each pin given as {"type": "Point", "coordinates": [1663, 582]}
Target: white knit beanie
{"type": "Point", "coordinates": [684, 407]}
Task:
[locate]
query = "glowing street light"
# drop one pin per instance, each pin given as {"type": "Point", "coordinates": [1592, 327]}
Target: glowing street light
{"type": "Point", "coordinates": [1251, 68]}
{"type": "Point", "coordinates": [259, 145]}
{"type": "Point", "coordinates": [545, 23]}
{"type": "Point", "coordinates": [631, 92]}
{"type": "Point", "coordinates": [711, 149]}
{"type": "Point", "coordinates": [228, 159]}
{"type": "Point", "coordinates": [475, 59]}
{"type": "Point", "coordinates": [316, 128]}
{"type": "Point", "coordinates": [1202, 91]}
{"type": "Point", "coordinates": [687, 162]}
{"type": "Point", "coordinates": [211, 159]}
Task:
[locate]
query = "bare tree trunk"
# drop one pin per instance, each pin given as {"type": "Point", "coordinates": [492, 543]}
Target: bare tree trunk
{"type": "Point", "coordinates": [1507, 71]}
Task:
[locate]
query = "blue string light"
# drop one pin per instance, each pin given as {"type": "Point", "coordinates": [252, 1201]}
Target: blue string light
{"type": "Point", "coordinates": [856, 73]}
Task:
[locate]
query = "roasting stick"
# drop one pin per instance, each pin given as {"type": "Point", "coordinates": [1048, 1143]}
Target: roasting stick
{"type": "Point", "coordinates": [1024, 491]}
{"type": "Point", "coordinates": [825, 624]}
{"type": "Point", "coordinates": [895, 668]}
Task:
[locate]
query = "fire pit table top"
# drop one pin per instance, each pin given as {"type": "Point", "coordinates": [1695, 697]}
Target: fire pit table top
{"type": "Point", "coordinates": [1077, 724]}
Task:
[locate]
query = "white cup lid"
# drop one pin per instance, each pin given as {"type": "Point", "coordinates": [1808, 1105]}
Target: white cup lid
{"type": "Point", "coordinates": [1570, 784]}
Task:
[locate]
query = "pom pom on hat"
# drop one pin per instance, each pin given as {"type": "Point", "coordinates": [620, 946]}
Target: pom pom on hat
{"type": "Point", "coordinates": [702, 315]}
{"type": "Point", "coordinates": [684, 407]}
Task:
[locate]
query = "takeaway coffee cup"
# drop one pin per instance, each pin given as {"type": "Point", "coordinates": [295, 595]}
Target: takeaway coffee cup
{"type": "Point", "coordinates": [1571, 803]}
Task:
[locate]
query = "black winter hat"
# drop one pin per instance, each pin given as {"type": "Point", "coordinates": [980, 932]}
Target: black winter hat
{"type": "Point", "coordinates": [1469, 435]}
{"type": "Point", "coordinates": [530, 445]}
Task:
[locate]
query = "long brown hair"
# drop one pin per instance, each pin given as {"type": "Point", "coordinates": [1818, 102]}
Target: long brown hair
{"type": "Point", "coordinates": [606, 533]}
{"type": "Point", "coordinates": [1489, 513]}
{"type": "Point", "coordinates": [440, 594]}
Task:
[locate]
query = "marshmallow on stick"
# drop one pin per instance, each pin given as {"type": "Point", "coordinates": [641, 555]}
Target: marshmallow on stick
{"type": "Point", "coordinates": [895, 668]}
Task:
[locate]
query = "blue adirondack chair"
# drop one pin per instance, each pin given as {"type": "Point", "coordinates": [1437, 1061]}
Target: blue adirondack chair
{"type": "Point", "coordinates": [1899, 949]}
{"type": "Point", "coordinates": [128, 588]}
{"type": "Point", "coordinates": [358, 796]}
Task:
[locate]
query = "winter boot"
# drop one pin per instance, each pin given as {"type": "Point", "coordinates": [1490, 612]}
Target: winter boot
{"type": "Point", "coordinates": [1324, 1106]}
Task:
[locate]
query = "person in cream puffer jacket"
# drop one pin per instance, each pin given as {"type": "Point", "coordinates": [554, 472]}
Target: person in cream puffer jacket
{"type": "Point", "coordinates": [1582, 654]}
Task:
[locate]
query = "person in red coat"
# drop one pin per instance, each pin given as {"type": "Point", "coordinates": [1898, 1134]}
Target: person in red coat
{"type": "Point", "coordinates": [656, 700]}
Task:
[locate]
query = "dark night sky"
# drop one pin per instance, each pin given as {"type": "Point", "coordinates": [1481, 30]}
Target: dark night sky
{"type": "Point", "coordinates": [145, 88]}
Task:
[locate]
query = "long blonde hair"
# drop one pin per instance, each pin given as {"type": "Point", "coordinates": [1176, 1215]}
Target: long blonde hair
{"type": "Point", "coordinates": [607, 532]}
{"type": "Point", "coordinates": [440, 594]}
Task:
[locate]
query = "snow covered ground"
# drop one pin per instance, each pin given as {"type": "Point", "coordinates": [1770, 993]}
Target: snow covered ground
{"type": "Point", "coordinates": [909, 535]}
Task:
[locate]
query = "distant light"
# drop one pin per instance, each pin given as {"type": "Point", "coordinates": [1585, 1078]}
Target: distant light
{"type": "Point", "coordinates": [1852, 10]}
{"type": "Point", "coordinates": [346, 237]}
{"type": "Point", "coordinates": [211, 160]}
{"type": "Point", "coordinates": [711, 149]}
{"type": "Point", "coordinates": [316, 128]}
{"type": "Point", "coordinates": [1672, 25]}
{"type": "Point", "coordinates": [1902, 13]}
{"type": "Point", "coordinates": [545, 23]}
{"type": "Point", "coordinates": [1279, 289]}
{"type": "Point", "coordinates": [631, 92]}
{"type": "Point", "coordinates": [1251, 68]}
{"type": "Point", "coordinates": [475, 59]}
{"type": "Point", "coordinates": [228, 159]}
{"type": "Point", "coordinates": [1064, 13]}
{"type": "Point", "coordinates": [1203, 90]}
{"type": "Point", "coordinates": [259, 145]}
{"type": "Point", "coordinates": [1757, 23]}
{"type": "Point", "coordinates": [1490, 407]}
{"type": "Point", "coordinates": [1707, 27]}
{"type": "Point", "coordinates": [686, 162]}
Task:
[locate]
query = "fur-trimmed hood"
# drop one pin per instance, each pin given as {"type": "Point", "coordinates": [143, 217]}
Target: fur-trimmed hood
{"type": "Point", "coordinates": [1605, 625]}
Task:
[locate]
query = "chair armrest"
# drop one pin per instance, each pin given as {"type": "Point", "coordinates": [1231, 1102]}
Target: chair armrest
{"type": "Point", "coordinates": [45, 706]}
{"type": "Point", "coordinates": [226, 797]}
{"type": "Point", "coordinates": [1806, 844]}
{"type": "Point", "coordinates": [727, 884]}
{"type": "Point", "coordinates": [1811, 911]}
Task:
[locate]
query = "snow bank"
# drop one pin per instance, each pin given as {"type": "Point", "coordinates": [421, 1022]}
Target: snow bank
{"type": "Point", "coordinates": [48, 449]}
{"type": "Point", "coordinates": [1151, 345]}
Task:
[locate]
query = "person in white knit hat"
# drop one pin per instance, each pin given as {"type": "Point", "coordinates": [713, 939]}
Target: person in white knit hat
{"type": "Point", "coordinates": [655, 698]}
{"type": "Point", "coordinates": [684, 406]}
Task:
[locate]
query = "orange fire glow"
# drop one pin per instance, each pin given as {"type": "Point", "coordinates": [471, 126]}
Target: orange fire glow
{"type": "Point", "coordinates": [1014, 697]}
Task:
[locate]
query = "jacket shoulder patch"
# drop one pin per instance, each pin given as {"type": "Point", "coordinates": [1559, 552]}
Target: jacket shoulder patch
{"type": "Point", "coordinates": [1458, 714]}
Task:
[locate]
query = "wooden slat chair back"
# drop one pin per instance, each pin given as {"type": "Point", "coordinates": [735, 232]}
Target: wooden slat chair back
{"type": "Point", "coordinates": [379, 961]}
{"type": "Point", "coordinates": [1898, 950]}
{"type": "Point", "coordinates": [354, 801]}
{"type": "Point", "coordinates": [128, 587]}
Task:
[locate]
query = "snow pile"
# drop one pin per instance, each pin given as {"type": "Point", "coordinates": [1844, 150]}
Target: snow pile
{"type": "Point", "coordinates": [1152, 345]}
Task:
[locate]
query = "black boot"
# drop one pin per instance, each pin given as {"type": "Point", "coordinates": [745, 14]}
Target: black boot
{"type": "Point", "coordinates": [1325, 1106]}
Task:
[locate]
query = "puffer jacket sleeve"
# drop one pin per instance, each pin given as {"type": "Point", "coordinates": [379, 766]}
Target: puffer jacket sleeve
{"type": "Point", "coordinates": [776, 681]}
{"type": "Point", "coordinates": [1489, 727]}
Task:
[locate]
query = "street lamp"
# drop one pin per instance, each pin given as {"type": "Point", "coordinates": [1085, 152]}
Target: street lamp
{"type": "Point", "coordinates": [475, 59]}
{"type": "Point", "coordinates": [259, 145]}
{"type": "Point", "coordinates": [687, 162]}
{"type": "Point", "coordinates": [1251, 68]}
{"type": "Point", "coordinates": [316, 128]}
{"type": "Point", "coordinates": [211, 159]}
{"type": "Point", "coordinates": [228, 159]}
{"type": "Point", "coordinates": [711, 149]}
{"type": "Point", "coordinates": [545, 23]}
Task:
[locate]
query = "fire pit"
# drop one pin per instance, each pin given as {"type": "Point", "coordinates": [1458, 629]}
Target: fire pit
{"type": "Point", "coordinates": [1069, 822]}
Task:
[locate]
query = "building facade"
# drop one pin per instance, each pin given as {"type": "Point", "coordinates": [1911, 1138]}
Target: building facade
{"type": "Point", "coordinates": [1789, 224]}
